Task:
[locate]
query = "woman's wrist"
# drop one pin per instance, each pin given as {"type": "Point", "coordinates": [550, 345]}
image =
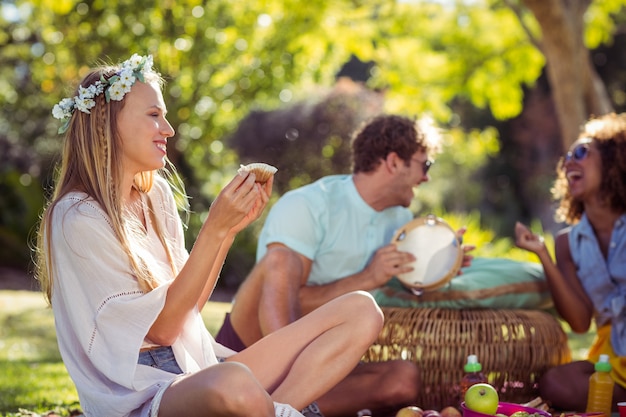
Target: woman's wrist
{"type": "Point", "coordinates": [213, 230]}
{"type": "Point", "coordinates": [543, 253]}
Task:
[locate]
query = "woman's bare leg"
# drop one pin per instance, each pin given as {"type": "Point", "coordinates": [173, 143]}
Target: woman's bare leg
{"type": "Point", "coordinates": [315, 352]}
{"type": "Point", "coordinates": [227, 389]}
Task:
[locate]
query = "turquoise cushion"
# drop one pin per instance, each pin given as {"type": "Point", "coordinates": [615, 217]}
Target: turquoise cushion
{"type": "Point", "coordinates": [488, 283]}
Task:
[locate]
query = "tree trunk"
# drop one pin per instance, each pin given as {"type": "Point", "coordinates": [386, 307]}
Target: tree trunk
{"type": "Point", "coordinates": [576, 88]}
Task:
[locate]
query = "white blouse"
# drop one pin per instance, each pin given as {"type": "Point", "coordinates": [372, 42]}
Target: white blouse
{"type": "Point", "coordinates": [102, 316]}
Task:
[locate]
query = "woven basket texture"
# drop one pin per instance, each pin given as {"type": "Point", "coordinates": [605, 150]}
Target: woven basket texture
{"type": "Point", "coordinates": [515, 347]}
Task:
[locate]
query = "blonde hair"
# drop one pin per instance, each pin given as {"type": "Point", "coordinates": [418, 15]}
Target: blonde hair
{"type": "Point", "coordinates": [92, 163]}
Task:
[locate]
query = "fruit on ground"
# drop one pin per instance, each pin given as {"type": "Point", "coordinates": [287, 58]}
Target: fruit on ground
{"type": "Point", "coordinates": [410, 411]}
{"type": "Point", "coordinates": [482, 398]}
{"type": "Point", "coordinates": [450, 412]}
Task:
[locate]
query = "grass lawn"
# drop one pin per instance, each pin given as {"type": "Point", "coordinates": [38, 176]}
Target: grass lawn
{"type": "Point", "coordinates": [32, 375]}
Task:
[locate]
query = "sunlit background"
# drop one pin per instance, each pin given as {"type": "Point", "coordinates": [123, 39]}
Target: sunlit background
{"type": "Point", "coordinates": [286, 82]}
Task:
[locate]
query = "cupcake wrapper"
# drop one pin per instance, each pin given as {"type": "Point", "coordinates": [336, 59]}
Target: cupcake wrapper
{"type": "Point", "coordinates": [263, 172]}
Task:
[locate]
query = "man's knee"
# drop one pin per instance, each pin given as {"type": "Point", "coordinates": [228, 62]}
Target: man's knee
{"type": "Point", "coordinates": [565, 386]}
{"type": "Point", "coordinates": [401, 381]}
{"type": "Point", "coordinates": [397, 382]}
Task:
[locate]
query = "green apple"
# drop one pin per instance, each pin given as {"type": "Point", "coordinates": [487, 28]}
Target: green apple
{"type": "Point", "coordinates": [410, 411]}
{"type": "Point", "coordinates": [482, 398]}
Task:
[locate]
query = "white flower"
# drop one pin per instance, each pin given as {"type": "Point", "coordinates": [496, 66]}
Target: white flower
{"type": "Point", "coordinates": [125, 85]}
{"type": "Point", "coordinates": [85, 92]}
{"type": "Point", "coordinates": [58, 112]}
{"type": "Point", "coordinates": [134, 61]}
{"type": "Point", "coordinates": [116, 92]}
{"type": "Point", "coordinates": [67, 103]}
{"type": "Point", "coordinates": [84, 104]}
{"type": "Point", "coordinates": [63, 109]}
{"type": "Point", "coordinates": [114, 88]}
{"type": "Point", "coordinates": [98, 88]}
{"type": "Point", "coordinates": [127, 77]}
{"type": "Point", "coordinates": [92, 90]}
{"type": "Point", "coordinates": [147, 66]}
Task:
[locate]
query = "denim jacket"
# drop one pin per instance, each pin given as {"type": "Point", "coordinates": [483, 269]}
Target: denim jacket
{"type": "Point", "coordinates": [603, 279]}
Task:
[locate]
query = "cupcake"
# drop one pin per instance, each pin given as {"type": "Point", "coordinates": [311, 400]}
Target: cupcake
{"type": "Point", "coordinates": [263, 172]}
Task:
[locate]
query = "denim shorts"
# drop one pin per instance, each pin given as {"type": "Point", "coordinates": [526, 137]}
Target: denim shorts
{"type": "Point", "coordinates": [162, 358]}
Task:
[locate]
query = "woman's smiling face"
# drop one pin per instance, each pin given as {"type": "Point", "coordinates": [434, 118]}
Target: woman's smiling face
{"type": "Point", "coordinates": [143, 128]}
{"type": "Point", "coordinates": [582, 166]}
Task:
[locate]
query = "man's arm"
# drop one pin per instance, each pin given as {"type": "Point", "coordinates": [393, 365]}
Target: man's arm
{"type": "Point", "coordinates": [568, 294]}
{"type": "Point", "coordinates": [268, 298]}
{"type": "Point", "coordinates": [285, 271]}
{"type": "Point", "coordinates": [386, 263]}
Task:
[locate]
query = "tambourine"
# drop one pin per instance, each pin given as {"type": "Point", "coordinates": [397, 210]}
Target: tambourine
{"type": "Point", "coordinates": [437, 250]}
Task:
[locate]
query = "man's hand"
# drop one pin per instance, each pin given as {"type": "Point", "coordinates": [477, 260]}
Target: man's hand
{"type": "Point", "coordinates": [467, 258]}
{"type": "Point", "coordinates": [387, 262]}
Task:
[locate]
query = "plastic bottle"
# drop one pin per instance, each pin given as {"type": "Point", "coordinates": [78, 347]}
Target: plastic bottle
{"type": "Point", "coordinates": [600, 397]}
{"type": "Point", "coordinates": [473, 374]}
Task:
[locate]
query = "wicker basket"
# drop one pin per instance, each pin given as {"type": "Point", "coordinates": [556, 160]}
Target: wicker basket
{"type": "Point", "coordinates": [515, 347]}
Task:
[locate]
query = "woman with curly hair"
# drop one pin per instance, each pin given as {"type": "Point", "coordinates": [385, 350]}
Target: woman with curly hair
{"type": "Point", "coordinates": [588, 280]}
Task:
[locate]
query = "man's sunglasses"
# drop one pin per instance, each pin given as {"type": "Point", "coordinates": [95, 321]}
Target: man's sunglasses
{"type": "Point", "coordinates": [426, 165]}
{"type": "Point", "coordinates": [579, 153]}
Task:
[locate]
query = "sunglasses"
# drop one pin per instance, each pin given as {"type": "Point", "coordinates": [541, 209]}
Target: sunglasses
{"type": "Point", "coordinates": [425, 165]}
{"type": "Point", "coordinates": [579, 153]}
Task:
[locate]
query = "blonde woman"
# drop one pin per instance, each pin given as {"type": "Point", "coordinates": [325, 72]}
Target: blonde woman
{"type": "Point", "coordinates": [125, 293]}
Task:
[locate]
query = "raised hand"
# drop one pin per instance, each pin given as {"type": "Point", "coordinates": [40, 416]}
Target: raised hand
{"type": "Point", "coordinates": [262, 193]}
{"type": "Point", "coordinates": [528, 240]}
{"type": "Point", "coordinates": [240, 203]}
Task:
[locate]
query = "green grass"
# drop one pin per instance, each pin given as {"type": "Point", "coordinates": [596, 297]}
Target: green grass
{"type": "Point", "coordinates": [32, 375]}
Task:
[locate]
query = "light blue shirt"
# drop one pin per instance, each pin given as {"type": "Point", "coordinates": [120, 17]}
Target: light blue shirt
{"type": "Point", "coordinates": [604, 280]}
{"type": "Point", "coordinates": [328, 222]}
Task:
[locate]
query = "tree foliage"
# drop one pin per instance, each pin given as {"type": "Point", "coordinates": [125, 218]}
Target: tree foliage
{"type": "Point", "coordinates": [577, 90]}
{"type": "Point", "coordinates": [227, 59]}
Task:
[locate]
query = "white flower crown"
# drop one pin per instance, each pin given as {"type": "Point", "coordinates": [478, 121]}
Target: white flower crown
{"type": "Point", "coordinates": [113, 88]}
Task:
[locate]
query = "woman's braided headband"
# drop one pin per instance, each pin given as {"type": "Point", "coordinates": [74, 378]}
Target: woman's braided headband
{"type": "Point", "coordinates": [114, 88]}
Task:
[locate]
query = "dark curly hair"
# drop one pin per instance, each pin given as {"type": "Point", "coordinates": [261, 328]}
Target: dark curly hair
{"type": "Point", "coordinates": [608, 134]}
{"type": "Point", "coordinates": [384, 134]}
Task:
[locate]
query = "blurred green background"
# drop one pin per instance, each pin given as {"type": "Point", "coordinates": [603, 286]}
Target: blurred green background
{"type": "Point", "coordinates": [286, 82]}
